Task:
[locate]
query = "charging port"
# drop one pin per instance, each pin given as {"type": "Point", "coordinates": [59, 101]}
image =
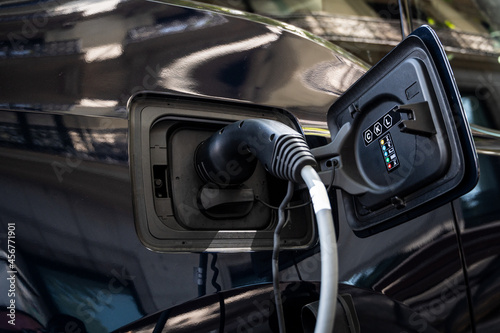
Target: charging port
{"type": "Point", "coordinates": [208, 206]}
{"type": "Point", "coordinates": [177, 210]}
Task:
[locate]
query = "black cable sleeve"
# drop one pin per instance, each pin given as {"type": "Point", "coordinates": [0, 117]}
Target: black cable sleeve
{"type": "Point", "coordinates": [162, 321]}
{"type": "Point", "coordinates": [214, 268]}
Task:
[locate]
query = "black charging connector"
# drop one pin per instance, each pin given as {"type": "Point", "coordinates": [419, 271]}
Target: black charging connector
{"type": "Point", "coordinates": [229, 156]}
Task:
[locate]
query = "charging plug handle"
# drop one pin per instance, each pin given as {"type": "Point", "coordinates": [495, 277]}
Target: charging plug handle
{"type": "Point", "coordinates": [229, 157]}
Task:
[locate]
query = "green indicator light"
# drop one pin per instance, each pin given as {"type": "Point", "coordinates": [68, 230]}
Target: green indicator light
{"type": "Point", "coordinates": [387, 159]}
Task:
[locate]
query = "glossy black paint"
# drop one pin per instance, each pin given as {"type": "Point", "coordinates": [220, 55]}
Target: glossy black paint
{"type": "Point", "coordinates": [89, 59]}
{"type": "Point", "coordinates": [251, 309]}
{"type": "Point", "coordinates": [67, 71]}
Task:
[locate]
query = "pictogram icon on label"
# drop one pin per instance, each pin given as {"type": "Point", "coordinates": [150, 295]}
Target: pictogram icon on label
{"type": "Point", "coordinates": [377, 129]}
{"type": "Point", "coordinates": [368, 136]}
{"type": "Point", "coordinates": [387, 121]}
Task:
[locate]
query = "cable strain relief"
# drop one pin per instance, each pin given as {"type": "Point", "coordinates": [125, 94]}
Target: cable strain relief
{"type": "Point", "coordinates": [290, 155]}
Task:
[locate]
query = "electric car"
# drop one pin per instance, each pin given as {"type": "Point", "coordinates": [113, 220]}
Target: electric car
{"type": "Point", "coordinates": [115, 218]}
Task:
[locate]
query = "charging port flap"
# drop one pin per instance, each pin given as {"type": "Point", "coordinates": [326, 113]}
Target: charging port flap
{"type": "Point", "coordinates": [401, 137]}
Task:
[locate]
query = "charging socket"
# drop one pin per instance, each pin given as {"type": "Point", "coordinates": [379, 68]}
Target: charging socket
{"type": "Point", "coordinates": [176, 211]}
{"type": "Point", "coordinates": [201, 206]}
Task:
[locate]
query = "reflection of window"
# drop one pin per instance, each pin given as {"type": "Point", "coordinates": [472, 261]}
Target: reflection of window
{"type": "Point", "coordinates": [102, 304]}
{"type": "Point", "coordinates": [51, 135]}
{"type": "Point", "coordinates": [18, 48]}
{"type": "Point", "coordinates": [476, 111]}
{"type": "Point", "coordinates": [451, 14]}
{"type": "Point", "coordinates": [481, 204]}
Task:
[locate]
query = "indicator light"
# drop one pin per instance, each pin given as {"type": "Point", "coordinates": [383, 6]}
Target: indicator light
{"type": "Point", "coordinates": [389, 152]}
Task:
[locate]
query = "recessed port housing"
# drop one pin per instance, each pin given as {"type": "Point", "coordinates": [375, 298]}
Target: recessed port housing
{"type": "Point", "coordinates": [175, 210]}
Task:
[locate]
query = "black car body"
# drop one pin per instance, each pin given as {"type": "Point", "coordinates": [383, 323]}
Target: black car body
{"type": "Point", "coordinates": [70, 70]}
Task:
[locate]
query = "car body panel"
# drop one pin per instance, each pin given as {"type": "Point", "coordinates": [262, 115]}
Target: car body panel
{"type": "Point", "coordinates": [68, 72]}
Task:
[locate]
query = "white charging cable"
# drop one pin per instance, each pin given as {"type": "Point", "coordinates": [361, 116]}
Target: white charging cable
{"type": "Point", "coordinates": [328, 247]}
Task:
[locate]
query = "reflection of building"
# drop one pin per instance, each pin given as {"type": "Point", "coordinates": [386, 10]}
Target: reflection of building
{"type": "Point", "coordinates": [371, 28]}
{"type": "Point", "coordinates": [474, 56]}
{"type": "Point", "coordinates": [365, 31]}
{"type": "Point", "coordinates": [53, 135]}
{"type": "Point", "coordinates": [39, 49]}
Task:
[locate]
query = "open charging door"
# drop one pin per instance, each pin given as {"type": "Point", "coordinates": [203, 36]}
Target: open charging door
{"type": "Point", "coordinates": [401, 143]}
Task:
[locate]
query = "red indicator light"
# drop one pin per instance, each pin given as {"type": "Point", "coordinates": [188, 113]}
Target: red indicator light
{"type": "Point", "coordinates": [389, 165]}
